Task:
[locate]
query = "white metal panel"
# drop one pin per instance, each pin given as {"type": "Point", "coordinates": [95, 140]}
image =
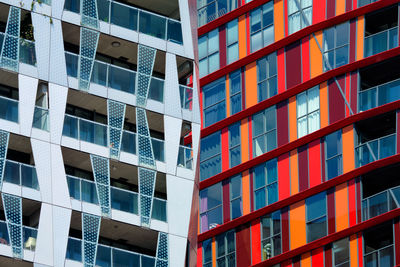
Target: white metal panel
{"type": "Point", "coordinates": [186, 28]}
{"type": "Point", "coordinates": [57, 7]}
{"type": "Point", "coordinates": [41, 154]}
{"type": "Point", "coordinates": [58, 67]}
{"type": "Point", "coordinates": [172, 133]}
{"type": "Point", "coordinates": [27, 87]}
{"type": "Point", "coordinates": [59, 179]}
{"type": "Point", "coordinates": [171, 87]}
{"type": "Point", "coordinates": [41, 30]}
{"type": "Point", "coordinates": [44, 242]}
{"type": "Point", "coordinates": [58, 101]}
{"type": "Point", "coordinates": [177, 250]}
{"type": "Point", "coordinates": [61, 224]}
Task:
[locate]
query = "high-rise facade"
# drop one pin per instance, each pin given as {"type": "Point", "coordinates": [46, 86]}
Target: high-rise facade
{"type": "Point", "coordinates": [299, 150]}
{"type": "Point", "coordinates": [96, 97]}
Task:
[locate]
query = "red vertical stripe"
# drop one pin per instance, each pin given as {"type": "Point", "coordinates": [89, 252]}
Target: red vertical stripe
{"type": "Point", "coordinates": [303, 168]}
{"type": "Point", "coordinates": [360, 250]}
{"type": "Point", "coordinates": [285, 229]}
{"type": "Point", "coordinates": [352, 203]}
{"type": "Point", "coordinates": [348, 5]}
{"type": "Point", "coordinates": [243, 246]}
{"type": "Point", "coordinates": [314, 155]}
{"type": "Point", "coordinates": [358, 198]}
{"type": "Point", "coordinates": [354, 4]}
{"type": "Point", "coordinates": [331, 210]}
{"type": "Point", "coordinates": [354, 90]}
{"type": "Point", "coordinates": [286, 263]}
{"type": "Point", "coordinates": [328, 257]}
{"type": "Point", "coordinates": [305, 52]}
{"type": "Point", "coordinates": [323, 162]}
{"type": "Point", "coordinates": [318, 11]}
{"type": "Point", "coordinates": [353, 38]}
{"type": "Point", "coordinates": [282, 123]}
{"type": "Point", "coordinates": [199, 254]}
{"type": "Point", "coordinates": [256, 241]}
{"type": "Point", "coordinates": [293, 64]}
{"type": "Point", "coordinates": [281, 70]}
{"type": "Point", "coordinates": [226, 202]}
{"type": "Point", "coordinates": [317, 258]}
{"type": "Point", "coordinates": [225, 148]}
{"type": "Point", "coordinates": [330, 8]}
{"type": "Point", "coordinates": [397, 240]}
{"type": "Point", "coordinates": [284, 176]}
{"type": "Point", "coordinates": [285, 3]}
{"type": "Point", "coordinates": [222, 46]}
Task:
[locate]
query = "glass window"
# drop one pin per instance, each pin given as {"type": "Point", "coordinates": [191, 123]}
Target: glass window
{"type": "Point", "coordinates": [265, 184]}
{"type": "Point", "coordinates": [299, 14]}
{"type": "Point", "coordinates": [378, 245]}
{"type": "Point", "coordinates": [267, 77]}
{"type": "Point", "coordinates": [271, 235]}
{"type": "Point", "coordinates": [264, 131]}
{"type": "Point", "coordinates": [209, 10]}
{"type": "Point", "coordinates": [210, 207]}
{"type": "Point", "coordinates": [235, 184]}
{"type": "Point", "coordinates": [333, 158]}
{"type": "Point", "coordinates": [341, 253]}
{"type": "Point", "coordinates": [308, 112]}
{"type": "Point", "coordinates": [235, 91]}
{"type": "Point", "coordinates": [214, 102]}
{"type": "Point", "coordinates": [262, 26]}
{"type": "Point", "coordinates": [316, 217]}
{"type": "Point", "coordinates": [234, 145]}
{"type": "Point", "coordinates": [336, 46]}
{"type": "Point", "coordinates": [226, 249]}
{"type": "Point", "coordinates": [210, 155]}
{"type": "Point", "coordinates": [207, 253]}
{"type": "Point", "coordinates": [232, 44]}
{"type": "Point", "coordinates": [209, 53]}
{"type": "Point", "coordinates": [365, 2]}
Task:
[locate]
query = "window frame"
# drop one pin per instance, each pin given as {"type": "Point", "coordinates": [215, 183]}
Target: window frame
{"type": "Point", "coordinates": [227, 254]}
{"type": "Point", "coordinates": [232, 147]}
{"type": "Point", "coordinates": [309, 222]}
{"type": "Point", "coordinates": [209, 263]}
{"type": "Point", "coordinates": [219, 154]}
{"type": "Point", "coordinates": [232, 44]}
{"type": "Point", "coordinates": [333, 253]}
{"type": "Point", "coordinates": [208, 54]}
{"type": "Point", "coordinates": [229, 8]}
{"type": "Point", "coordinates": [272, 235]}
{"type": "Point", "coordinates": [265, 131]}
{"type": "Point", "coordinates": [325, 53]}
{"type": "Point", "coordinates": [307, 113]}
{"type": "Point", "coordinates": [239, 176]}
{"type": "Point", "coordinates": [208, 210]}
{"type": "Point", "coordinates": [262, 27]}
{"type": "Point", "coordinates": [266, 185]}
{"type": "Point", "coordinates": [234, 94]}
{"type": "Point", "coordinates": [267, 78]}
{"type": "Point", "coordinates": [339, 155]}
{"type": "Point", "coordinates": [222, 100]}
{"type": "Point", "coordinates": [300, 10]}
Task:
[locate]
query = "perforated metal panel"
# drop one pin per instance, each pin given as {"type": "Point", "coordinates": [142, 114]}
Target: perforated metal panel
{"type": "Point", "coordinates": [146, 57]}
{"type": "Point", "coordinates": [10, 48]}
{"type": "Point", "coordinates": [116, 115]}
{"type": "Point", "coordinates": [87, 51]}
{"type": "Point", "coordinates": [4, 137]}
{"type": "Point", "coordinates": [90, 234]}
{"type": "Point", "coordinates": [89, 15]}
{"type": "Point", "coordinates": [145, 149]}
{"type": "Point", "coordinates": [13, 211]}
{"type": "Point", "coordinates": [101, 170]}
{"type": "Point", "coordinates": [162, 250]}
{"type": "Point", "coordinates": [147, 179]}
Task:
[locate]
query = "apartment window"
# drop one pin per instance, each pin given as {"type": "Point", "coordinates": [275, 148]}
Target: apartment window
{"type": "Point", "coordinates": [211, 207]}
{"type": "Point", "coordinates": [267, 77]}
{"type": "Point", "coordinates": [209, 10]}
{"type": "Point", "coordinates": [365, 2]}
{"type": "Point", "coordinates": [299, 14]}
{"type": "Point", "coordinates": [232, 44]}
{"type": "Point", "coordinates": [316, 217]}
{"type": "Point", "coordinates": [214, 102]}
{"type": "Point", "coordinates": [210, 155]}
{"type": "Point", "coordinates": [209, 53]}
{"type": "Point", "coordinates": [336, 46]}
{"type": "Point", "coordinates": [234, 145]}
{"type": "Point", "coordinates": [308, 112]}
{"type": "Point", "coordinates": [265, 184]}
{"type": "Point", "coordinates": [341, 253]}
{"type": "Point", "coordinates": [262, 26]}
{"type": "Point", "coordinates": [226, 249]}
{"type": "Point", "coordinates": [235, 185]}
{"type": "Point", "coordinates": [271, 235]}
{"type": "Point", "coordinates": [264, 131]}
{"type": "Point", "coordinates": [378, 246]}
{"type": "Point", "coordinates": [333, 148]}
{"type": "Point", "coordinates": [207, 253]}
{"type": "Point", "coordinates": [235, 91]}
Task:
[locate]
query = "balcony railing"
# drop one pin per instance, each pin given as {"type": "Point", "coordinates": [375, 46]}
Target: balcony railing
{"type": "Point", "coordinates": [381, 203]}
{"type": "Point", "coordinates": [8, 109]}
{"type": "Point", "coordinates": [380, 148]}
{"type": "Point", "coordinates": [115, 77]}
{"type": "Point", "coordinates": [121, 199]}
{"type": "Point", "coordinates": [134, 19]}
{"type": "Point", "coordinates": [381, 41]}
{"type": "Point", "coordinates": [109, 256]}
{"type": "Point", "coordinates": [41, 118]}
{"type": "Point", "coordinates": [27, 52]}
{"type": "Point", "coordinates": [29, 236]}
{"type": "Point", "coordinates": [380, 95]}
{"type": "Point", "coordinates": [381, 257]}
{"type": "Point", "coordinates": [185, 157]}
{"type": "Point", "coordinates": [21, 174]}
{"type": "Point", "coordinates": [186, 96]}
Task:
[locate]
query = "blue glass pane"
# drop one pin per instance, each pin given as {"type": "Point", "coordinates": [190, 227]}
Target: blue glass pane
{"type": "Point", "coordinates": [259, 176]}
{"type": "Point", "coordinates": [159, 211]}
{"type": "Point", "coordinates": [152, 24]}
{"type": "Point", "coordinates": [236, 208]}
{"type": "Point", "coordinates": [12, 173]}
{"type": "Point", "coordinates": [121, 79]}
{"type": "Point", "coordinates": [210, 146]}
{"type": "Point", "coordinates": [74, 250]}
{"type": "Point", "coordinates": [378, 204]}
{"type": "Point", "coordinates": [272, 170]}
{"type": "Point", "coordinates": [124, 16]}
{"type": "Point", "coordinates": [29, 177]}
{"type": "Point", "coordinates": [103, 256]}
{"type": "Point", "coordinates": [124, 200]}
{"type": "Point", "coordinates": [123, 258]}
{"type": "Point", "coordinates": [272, 193]}
{"type": "Point", "coordinates": [70, 127]}
{"type": "Point", "coordinates": [8, 109]}
{"type": "Point", "coordinates": [260, 200]}
{"type": "Point", "coordinates": [316, 206]}
{"type": "Point", "coordinates": [174, 32]}
{"type": "Point", "coordinates": [147, 261]}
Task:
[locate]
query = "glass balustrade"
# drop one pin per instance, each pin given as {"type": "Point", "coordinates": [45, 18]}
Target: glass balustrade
{"type": "Point", "coordinates": [381, 203]}
{"type": "Point", "coordinates": [381, 257]}
{"type": "Point", "coordinates": [29, 236]}
{"type": "Point", "coordinates": [8, 109]}
{"type": "Point", "coordinates": [375, 149]}
{"type": "Point", "coordinates": [185, 157]}
{"type": "Point", "coordinates": [109, 256]}
{"type": "Point", "coordinates": [156, 89]}
{"type": "Point", "coordinates": [85, 130]}
{"type": "Point", "coordinates": [128, 143]}
{"type": "Point", "coordinates": [186, 94]}
{"type": "Point", "coordinates": [134, 19]}
{"type": "Point", "coordinates": [72, 64]}
{"type": "Point", "coordinates": [380, 95]}
{"type": "Point", "coordinates": [381, 41]}
{"type": "Point", "coordinates": [41, 118]}
{"type": "Point", "coordinates": [27, 52]}
{"type": "Point", "coordinates": [124, 200]}
{"type": "Point", "coordinates": [21, 174]}
{"type": "Point", "coordinates": [158, 149]}
{"type": "Point", "coordinates": [159, 211]}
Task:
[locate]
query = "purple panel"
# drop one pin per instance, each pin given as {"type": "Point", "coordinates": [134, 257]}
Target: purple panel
{"type": "Point", "coordinates": [222, 46]}
{"type": "Point", "coordinates": [353, 37]}
{"type": "Point", "coordinates": [330, 8]}
{"type": "Point", "coordinates": [303, 168]}
{"type": "Point", "coordinates": [349, 5]}
{"type": "Point", "coordinates": [331, 210]}
{"type": "Point", "coordinates": [353, 90]}
{"type": "Point", "coordinates": [282, 123]}
{"type": "Point", "coordinates": [285, 229]}
{"type": "Point", "coordinates": [336, 102]}
{"type": "Point", "coordinates": [226, 201]}
{"type": "Point", "coordinates": [293, 64]}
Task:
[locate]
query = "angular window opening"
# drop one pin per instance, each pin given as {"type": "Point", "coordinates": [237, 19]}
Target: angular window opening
{"type": "Point", "coordinates": [378, 245]}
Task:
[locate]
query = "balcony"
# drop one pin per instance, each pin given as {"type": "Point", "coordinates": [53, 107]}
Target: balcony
{"type": "Point", "coordinates": [381, 41]}
{"type": "Point", "coordinates": [186, 94]}
{"type": "Point", "coordinates": [41, 118]}
{"type": "Point", "coordinates": [379, 95]}
{"type": "Point", "coordinates": [378, 245]}
{"type": "Point", "coordinates": [381, 203]}
{"type": "Point", "coordinates": [123, 200]}
{"type": "Point", "coordinates": [8, 109]}
{"type": "Point", "coordinates": [29, 236]}
{"type": "Point", "coordinates": [27, 52]}
{"type": "Point", "coordinates": [134, 19]}
{"type": "Point", "coordinates": [185, 157]}
{"type": "Point", "coordinates": [21, 174]}
{"type": "Point", "coordinates": [375, 150]}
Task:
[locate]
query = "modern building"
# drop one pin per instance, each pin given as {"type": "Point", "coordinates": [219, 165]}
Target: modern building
{"type": "Point", "coordinates": [96, 97]}
{"type": "Point", "coordinates": [299, 150]}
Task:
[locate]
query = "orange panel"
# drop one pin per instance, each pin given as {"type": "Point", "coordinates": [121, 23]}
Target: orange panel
{"type": "Point", "coordinates": [246, 192]}
{"type": "Point", "coordinates": [315, 54]}
{"type": "Point", "coordinates": [340, 7]}
{"type": "Point", "coordinates": [342, 207]}
{"type": "Point", "coordinates": [294, 174]}
{"type": "Point", "coordinates": [323, 104]}
{"type": "Point", "coordinates": [279, 21]}
{"type": "Point", "coordinates": [251, 84]}
{"type": "Point", "coordinates": [214, 253]}
{"type": "Point", "coordinates": [242, 36]}
{"type": "Point", "coordinates": [244, 136]}
{"type": "Point", "coordinates": [227, 98]}
{"type": "Point", "coordinates": [348, 148]}
{"type": "Point", "coordinates": [306, 260]}
{"type": "Point", "coordinates": [297, 225]}
{"type": "Point", "coordinates": [292, 119]}
{"type": "Point", "coordinates": [353, 251]}
{"type": "Point", "coordinates": [360, 37]}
